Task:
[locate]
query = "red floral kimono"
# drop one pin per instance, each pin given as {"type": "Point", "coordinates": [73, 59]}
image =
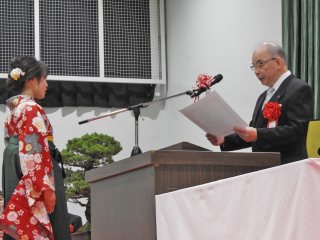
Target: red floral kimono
{"type": "Point", "coordinates": [25, 216]}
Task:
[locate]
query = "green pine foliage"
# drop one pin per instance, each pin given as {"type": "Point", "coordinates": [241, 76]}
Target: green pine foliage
{"type": "Point", "coordinates": [90, 151]}
{"type": "Point", "coordinates": [82, 154]}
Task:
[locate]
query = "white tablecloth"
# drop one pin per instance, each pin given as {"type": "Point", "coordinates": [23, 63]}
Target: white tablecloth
{"type": "Point", "coordinates": [279, 203]}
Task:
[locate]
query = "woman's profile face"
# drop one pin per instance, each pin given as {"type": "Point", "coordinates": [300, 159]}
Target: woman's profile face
{"type": "Point", "coordinates": [39, 87]}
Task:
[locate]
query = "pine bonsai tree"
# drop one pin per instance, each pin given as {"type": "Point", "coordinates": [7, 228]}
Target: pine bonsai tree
{"type": "Point", "coordinates": [82, 154]}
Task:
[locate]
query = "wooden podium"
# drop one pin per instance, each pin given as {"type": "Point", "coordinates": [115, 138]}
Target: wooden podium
{"type": "Point", "coordinates": [123, 193]}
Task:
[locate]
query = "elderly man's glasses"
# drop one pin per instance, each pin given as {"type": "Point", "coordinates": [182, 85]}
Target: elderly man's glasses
{"type": "Point", "coordinates": [259, 64]}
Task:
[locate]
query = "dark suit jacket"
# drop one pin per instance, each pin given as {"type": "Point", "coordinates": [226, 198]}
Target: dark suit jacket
{"type": "Point", "coordinates": [289, 136]}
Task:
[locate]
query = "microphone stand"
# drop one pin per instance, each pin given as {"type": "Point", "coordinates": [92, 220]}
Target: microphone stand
{"type": "Point", "coordinates": [136, 111]}
{"type": "Point", "coordinates": [136, 149]}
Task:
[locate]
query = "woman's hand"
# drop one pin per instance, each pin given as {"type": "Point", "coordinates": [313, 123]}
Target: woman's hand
{"type": "Point", "coordinates": [49, 198]}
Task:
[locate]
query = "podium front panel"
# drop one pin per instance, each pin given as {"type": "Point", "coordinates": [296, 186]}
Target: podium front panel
{"type": "Point", "coordinates": [123, 193]}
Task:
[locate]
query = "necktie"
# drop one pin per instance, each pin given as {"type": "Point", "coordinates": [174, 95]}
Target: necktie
{"type": "Point", "coordinates": [269, 95]}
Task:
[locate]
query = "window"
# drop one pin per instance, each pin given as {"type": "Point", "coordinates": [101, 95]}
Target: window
{"type": "Point", "coordinates": [87, 40]}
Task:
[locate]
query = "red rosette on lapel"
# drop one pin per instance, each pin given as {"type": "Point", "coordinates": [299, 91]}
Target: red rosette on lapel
{"type": "Point", "coordinates": [272, 112]}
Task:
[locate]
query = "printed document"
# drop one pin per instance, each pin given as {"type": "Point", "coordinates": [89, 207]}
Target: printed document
{"type": "Point", "coordinates": [214, 115]}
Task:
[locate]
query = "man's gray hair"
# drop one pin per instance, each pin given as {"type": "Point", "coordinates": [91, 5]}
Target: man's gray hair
{"type": "Point", "coordinates": [275, 50]}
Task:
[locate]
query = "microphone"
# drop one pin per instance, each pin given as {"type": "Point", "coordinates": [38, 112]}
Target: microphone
{"type": "Point", "coordinates": [198, 91]}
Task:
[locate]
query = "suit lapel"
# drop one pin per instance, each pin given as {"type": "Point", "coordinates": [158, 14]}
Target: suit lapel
{"type": "Point", "coordinates": [258, 109]}
{"type": "Point", "coordinates": [278, 95]}
{"type": "Point", "coordinates": [258, 119]}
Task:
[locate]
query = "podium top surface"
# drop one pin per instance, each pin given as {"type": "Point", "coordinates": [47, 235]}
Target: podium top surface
{"type": "Point", "coordinates": [156, 158]}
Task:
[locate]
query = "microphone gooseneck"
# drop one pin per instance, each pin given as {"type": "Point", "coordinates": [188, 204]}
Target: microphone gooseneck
{"type": "Point", "coordinates": [192, 93]}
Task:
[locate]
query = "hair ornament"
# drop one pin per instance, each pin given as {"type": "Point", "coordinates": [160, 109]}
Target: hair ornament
{"type": "Point", "coordinates": [16, 74]}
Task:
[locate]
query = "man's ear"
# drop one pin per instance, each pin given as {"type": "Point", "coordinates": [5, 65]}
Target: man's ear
{"type": "Point", "coordinates": [280, 62]}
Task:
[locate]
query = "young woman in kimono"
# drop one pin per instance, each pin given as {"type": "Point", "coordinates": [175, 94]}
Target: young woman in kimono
{"type": "Point", "coordinates": [34, 199]}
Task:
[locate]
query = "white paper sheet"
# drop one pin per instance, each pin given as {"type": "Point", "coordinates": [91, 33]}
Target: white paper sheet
{"type": "Point", "coordinates": [214, 115]}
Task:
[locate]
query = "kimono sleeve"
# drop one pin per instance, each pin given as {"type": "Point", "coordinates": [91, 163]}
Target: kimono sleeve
{"type": "Point", "coordinates": [34, 153]}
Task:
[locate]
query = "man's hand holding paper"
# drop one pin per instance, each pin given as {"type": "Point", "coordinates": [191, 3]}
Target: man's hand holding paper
{"type": "Point", "coordinates": [248, 134]}
{"type": "Point", "coordinates": [216, 141]}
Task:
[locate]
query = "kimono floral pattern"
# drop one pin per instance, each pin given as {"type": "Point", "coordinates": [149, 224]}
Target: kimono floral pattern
{"type": "Point", "coordinates": [25, 216]}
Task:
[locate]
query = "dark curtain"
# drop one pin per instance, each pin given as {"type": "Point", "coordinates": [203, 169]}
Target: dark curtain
{"type": "Point", "coordinates": [88, 94]}
{"type": "Point", "coordinates": [301, 42]}
{"type": "Point", "coordinates": [97, 94]}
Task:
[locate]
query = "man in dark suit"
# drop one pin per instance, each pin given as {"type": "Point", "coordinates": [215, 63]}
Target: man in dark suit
{"type": "Point", "coordinates": [287, 133]}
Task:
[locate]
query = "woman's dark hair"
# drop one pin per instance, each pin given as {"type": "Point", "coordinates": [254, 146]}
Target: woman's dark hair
{"type": "Point", "coordinates": [31, 68]}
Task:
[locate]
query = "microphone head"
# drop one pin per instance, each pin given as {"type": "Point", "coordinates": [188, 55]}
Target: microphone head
{"type": "Point", "coordinates": [218, 78]}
